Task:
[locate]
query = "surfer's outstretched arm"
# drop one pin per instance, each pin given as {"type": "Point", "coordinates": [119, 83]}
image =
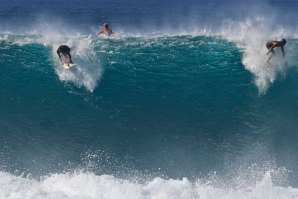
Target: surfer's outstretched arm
{"type": "Point", "coordinates": [69, 57]}
{"type": "Point", "coordinates": [100, 32]}
{"type": "Point", "coordinates": [58, 52]}
{"type": "Point", "coordinates": [283, 51]}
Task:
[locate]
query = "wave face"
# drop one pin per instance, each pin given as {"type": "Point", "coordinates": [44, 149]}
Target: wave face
{"type": "Point", "coordinates": [158, 111]}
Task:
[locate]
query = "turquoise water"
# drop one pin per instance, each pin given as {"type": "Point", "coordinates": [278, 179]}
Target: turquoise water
{"type": "Point", "coordinates": [149, 113]}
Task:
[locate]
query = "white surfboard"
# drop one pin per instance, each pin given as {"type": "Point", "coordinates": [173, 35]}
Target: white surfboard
{"type": "Point", "coordinates": [68, 65]}
{"type": "Point", "coordinates": [66, 62]}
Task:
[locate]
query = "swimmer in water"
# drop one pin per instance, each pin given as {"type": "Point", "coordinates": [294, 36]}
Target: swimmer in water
{"type": "Point", "coordinates": [106, 31]}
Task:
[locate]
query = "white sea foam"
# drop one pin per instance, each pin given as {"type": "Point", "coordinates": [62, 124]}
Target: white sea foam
{"type": "Point", "coordinates": [82, 185]}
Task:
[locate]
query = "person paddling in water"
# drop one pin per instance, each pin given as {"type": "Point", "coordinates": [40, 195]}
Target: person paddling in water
{"type": "Point", "coordinates": [106, 31]}
{"type": "Point", "coordinates": [65, 51]}
{"type": "Point", "coordinates": [270, 45]}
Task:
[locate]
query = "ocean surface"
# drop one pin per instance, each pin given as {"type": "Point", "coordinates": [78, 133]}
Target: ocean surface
{"type": "Point", "coordinates": [178, 104]}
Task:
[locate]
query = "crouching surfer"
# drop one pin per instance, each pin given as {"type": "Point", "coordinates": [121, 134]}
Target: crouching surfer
{"type": "Point", "coordinates": [65, 51]}
{"type": "Point", "coordinates": [270, 45]}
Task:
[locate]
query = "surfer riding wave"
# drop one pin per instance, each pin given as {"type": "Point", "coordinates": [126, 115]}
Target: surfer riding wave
{"type": "Point", "coordinates": [65, 51]}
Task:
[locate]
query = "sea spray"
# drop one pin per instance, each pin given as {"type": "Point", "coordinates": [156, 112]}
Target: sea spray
{"type": "Point", "coordinates": [251, 36]}
{"type": "Point", "coordinates": [87, 71]}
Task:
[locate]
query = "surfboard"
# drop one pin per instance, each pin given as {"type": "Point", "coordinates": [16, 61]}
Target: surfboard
{"type": "Point", "coordinates": [66, 62]}
{"type": "Point", "coordinates": [68, 66]}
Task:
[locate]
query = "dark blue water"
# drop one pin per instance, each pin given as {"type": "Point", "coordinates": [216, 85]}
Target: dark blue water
{"type": "Point", "coordinates": [178, 104]}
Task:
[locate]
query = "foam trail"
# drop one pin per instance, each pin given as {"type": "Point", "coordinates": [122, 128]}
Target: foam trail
{"type": "Point", "coordinates": [87, 71]}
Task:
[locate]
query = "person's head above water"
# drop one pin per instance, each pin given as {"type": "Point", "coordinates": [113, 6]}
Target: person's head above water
{"type": "Point", "coordinates": [105, 30]}
{"type": "Point", "coordinates": [106, 25]}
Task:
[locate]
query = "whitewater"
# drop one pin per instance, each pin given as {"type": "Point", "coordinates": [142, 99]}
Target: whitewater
{"type": "Point", "coordinates": [88, 185]}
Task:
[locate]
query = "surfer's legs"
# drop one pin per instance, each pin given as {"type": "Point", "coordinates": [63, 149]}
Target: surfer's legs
{"type": "Point", "coordinates": [268, 45]}
{"type": "Point", "coordinates": [272, 53]}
